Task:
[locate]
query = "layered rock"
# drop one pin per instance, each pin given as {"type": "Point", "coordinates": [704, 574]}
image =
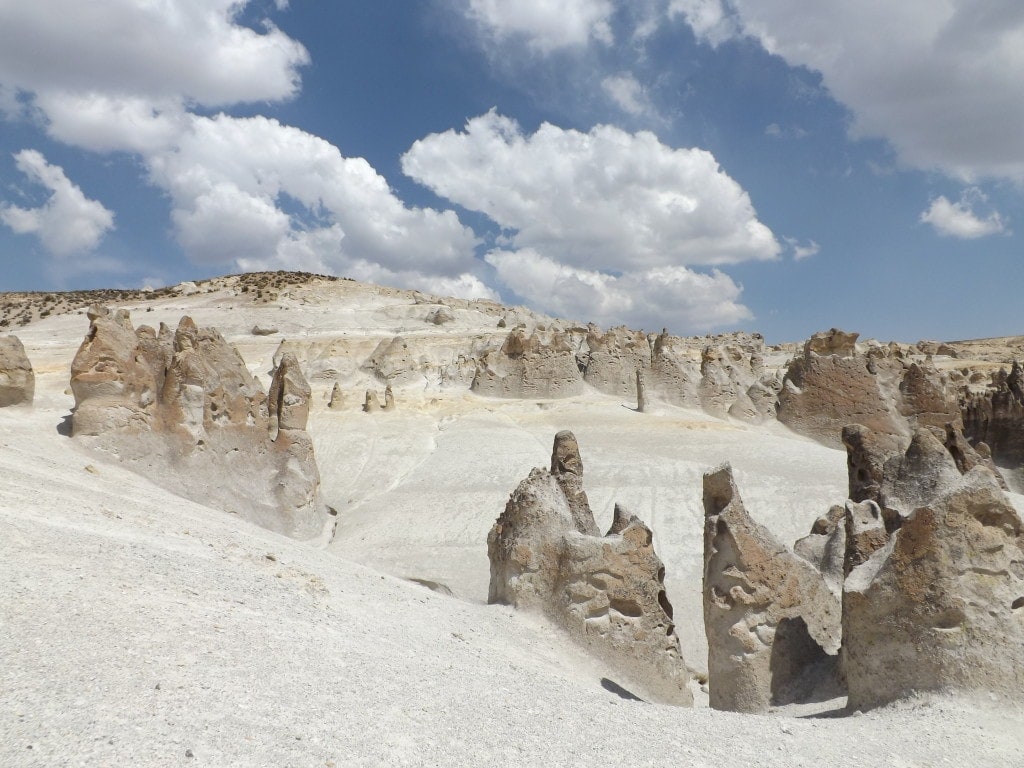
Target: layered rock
{"type": "Point", "coordinates": [540, 364]}
{"type": "Point", "coordinates": [17, 379]}
{"type": "Point", "coordinates": [772, 623]}
{"type": "Point", "coordinates": [182, 408]}
{"type": "Point", "coordinates": [607, 591]}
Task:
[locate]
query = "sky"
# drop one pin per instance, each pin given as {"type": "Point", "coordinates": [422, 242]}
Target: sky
{"type": "Point", "coordinates": [701, 165]}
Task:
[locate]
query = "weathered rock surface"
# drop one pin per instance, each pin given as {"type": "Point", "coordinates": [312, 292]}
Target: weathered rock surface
{"type": "Point", "coordinates": [773, 625]}
{"type": "Point", "coordinates": [182, 408]}
{"type": "Point", "coordinates": [996, 416]}
{"type": "Point", "coordinates": [613, 357]}
{"type": "Point", "coordinates": [825, 548]}
{"type": "Point", "coordinates": [940, 607]}
{"type": "Point", "coordinates": [539, 364]}
{"type": "Point", "coordinates": [337, 397]}
{"type": "Point", "coordinates": [607, 591]}
{"type": "Point", "coordinates": [821, 393]}
{"type": "Point", "coordinates": [17, 379]}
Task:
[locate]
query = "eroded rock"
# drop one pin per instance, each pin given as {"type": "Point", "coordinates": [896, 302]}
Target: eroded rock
{"type": "Point", "coordinates": [182, 408]}
{"type": "Point", "coordinates": [539, 364]}
{"type": "Point", "coordinates": [607, 591]}
{"type": "Point", "coordinates": [17, 379]}
{"type": "Point", "coordinates": [773, 625]}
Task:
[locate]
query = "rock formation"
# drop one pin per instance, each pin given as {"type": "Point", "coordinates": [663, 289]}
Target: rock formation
{"type": "Point", "coordinates": [612, 358]}
{"type": "Point", "coordinates": [440, 315]}
{"type": "Point", "coordinates": [539, 364]}
{"type": "Point", "coordinates": [641, 391]}
{"type": "Point", "coordinates": [371, 403]}
{"type": "Point", "coordinates": [996, 416]}
{"type": "Point", "coordinates": [935, 566]}
{"type": "Point", "coordinates": [337, 397]}
{"type": "Point", "coordinates": [182, 408]}
{"type": "Point", "coordinates": [825, 548]}
{"type": "Point", "coordinates": [17, 379]}
{"type": "Point", "coordinates": [607, 591]}
{"type": "Point", "coordinates": [832, 385]}
{"type": "Point", "coordinates": [940, 607]}
{"type": "Point", "coordinates": [773, 625]}
{"type": "Point", "coordinates": [389, 399]}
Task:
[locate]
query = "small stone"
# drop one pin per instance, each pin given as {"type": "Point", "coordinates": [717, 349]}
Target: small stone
{"type": "Point", "coordinates": [188, 753]}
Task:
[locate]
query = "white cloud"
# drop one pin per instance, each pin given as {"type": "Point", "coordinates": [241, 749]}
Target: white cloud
{"type": "Point", "coordinates": [802, 251]}
{"type": "Point", "coordinates": [244, 191]}
{"type": "Point", "coordinates": [68, 222]}
{"type": "Point", "coordinates": [607, 199]}
{"type": "Point", "coordinates": [172, 49]}
{"type": "Point", "coordinates": [628, 94]}
{"type": "Point", "coordinates": [600, 225]}
{"type": "Point", "coordinates": [261, 194]}
{"type": "Point", "coordinates": [959, 219]}
{"type": "Point", "coordinates": [939, 80]}
{"type": "Point", "coordinates": [653, 298]}
{"type": "Point", "coordinates": [546, 25]}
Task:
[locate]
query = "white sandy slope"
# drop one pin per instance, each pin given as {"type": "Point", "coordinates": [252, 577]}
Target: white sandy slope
{"type": "Point", "coordinates": [137, 627]}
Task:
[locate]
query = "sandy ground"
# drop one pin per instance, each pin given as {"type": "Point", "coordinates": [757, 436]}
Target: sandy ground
{"type": "Point", "coordinates": [138, 628]}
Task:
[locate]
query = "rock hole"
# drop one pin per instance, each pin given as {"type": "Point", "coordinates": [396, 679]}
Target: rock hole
{"type": "Point", "coordinates": [1017, 604]}
{"type": "Point", "coordinates": [666, 606]}
{"type": "Point", "coordinates": [626, 607]}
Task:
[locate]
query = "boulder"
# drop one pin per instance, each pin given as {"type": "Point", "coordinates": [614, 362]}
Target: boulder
{"type": "Point", "coordinates": [17, 379]}
{"type": "Point", "coordinates": [773, 625]}
{"type": "Point", "coordinates": [607, 592]}
{"type": "Point", "coordinates": [440, 315]}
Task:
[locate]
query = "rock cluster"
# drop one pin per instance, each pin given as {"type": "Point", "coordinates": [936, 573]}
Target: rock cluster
{"type": "Point", "coordinates": [17, 379]}
{"type": "Point", "coordinates": [607, 592]}
{"type": "Point", "coordinates": [938, 603]}
{"type": "Point", "coordinates": [538, 364]}
{"type": "Point", "coordinates": [996, 417]}
{"type": "Point", "coordinates": [182, 408]}
{"type": "Point", "coordinates": [833, 384]}
{"type": "Point", "coordinates": [773, 625]}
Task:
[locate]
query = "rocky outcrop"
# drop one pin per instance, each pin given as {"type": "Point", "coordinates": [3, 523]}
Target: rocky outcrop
{"type": "Point", "coordinates": [371, 402]}
{"type": "Point", "coordinates": [182, 408]}
{"type": "Point", "coordinates": [824, 391]}
{"type": "Point", "coordinates": [773, 625]}
{"type": "Point", "coordinates": [607, 591]}
{"type": "Point", "coordinates": [940, 607]}
{"type": "Point", "coordinates": [337, 397]}
{"type": "Point", "coordinates": [825, 548]}
{"type": "Point", "coordinates": [996, 416]}
{"type": "Point", "coordinates": [17, 379]}
{"type": "Point", "coordinates": [539, 364]}
{"type": "Point", "coordinates": [727, 372]}
{"type": "Point", "coordinates": [613, 357]}
{"type": "Point", "coordinates": [440, 315]}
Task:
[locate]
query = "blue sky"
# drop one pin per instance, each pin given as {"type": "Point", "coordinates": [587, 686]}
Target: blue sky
{"type": "Point", "coordinates": [696, 164]}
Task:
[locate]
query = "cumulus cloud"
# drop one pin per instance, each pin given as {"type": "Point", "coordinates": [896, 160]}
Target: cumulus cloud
{"type": "Point", "coordinates": [652, 298]}
{"type": "Point", "coordinates": [610, 218]}
{"type": "Point", "coordinates": [545, 25]}
{"type": "Point", "coordinates": [261, 194]}
{"type": "Point", "coordinates": [175, 49]}
{"type": "Point", "coordinates": [68, 222]}
{"type": "Point", "coordinates": [939, 81]}
{"type": "Point", "coordinates": [628, 94]}
{"type": "Point", "coordinates": [606, 199]}
{"type": "Point", "coordinates": [248, 192]}
{"type": "Point", "coordinates": [959, 219]}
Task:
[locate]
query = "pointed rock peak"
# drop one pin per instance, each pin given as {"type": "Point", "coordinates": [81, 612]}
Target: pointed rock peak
{"type": "Point", "coordinates": [123, 319]}
{"type": "Point", "coordinates": [621, 520]}
{"type": "Point", "coordinates": [96, 311]}
{"type": "Point", "coordinates": [927, 450]}
{"type": "Point", "coordinates": [832, 342]}
{"type": "Point", "coordinates": [719, 490]}
{"type": "Point", "coordinates": [565, 455]}
{"type": "Point", "coordinates": [186, 337]}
